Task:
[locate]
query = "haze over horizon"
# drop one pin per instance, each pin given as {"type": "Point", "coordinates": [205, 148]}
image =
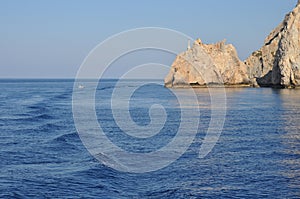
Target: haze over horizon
{"type": "Point", "coordinates": [51, 39]}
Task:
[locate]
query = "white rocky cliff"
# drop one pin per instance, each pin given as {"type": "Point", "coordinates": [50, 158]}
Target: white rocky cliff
{"type": "Point", "coordinates": [276, 64]}
{"type": "Point", "coordinates": [207, 64]}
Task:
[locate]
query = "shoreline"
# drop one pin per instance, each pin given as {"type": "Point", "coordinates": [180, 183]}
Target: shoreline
{"type": "Point", "coordinates": [232, 86]}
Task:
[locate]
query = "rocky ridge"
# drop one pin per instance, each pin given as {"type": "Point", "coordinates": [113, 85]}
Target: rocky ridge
{"type": "Point", "coordinates": [276, 64]}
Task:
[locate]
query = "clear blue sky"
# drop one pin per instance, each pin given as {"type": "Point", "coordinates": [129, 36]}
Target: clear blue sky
{"type": "Point", "coordinates": [50, 39]}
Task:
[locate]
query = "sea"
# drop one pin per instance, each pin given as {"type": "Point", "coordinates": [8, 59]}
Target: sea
{"type": "Point", "coordinates": [42, 154]}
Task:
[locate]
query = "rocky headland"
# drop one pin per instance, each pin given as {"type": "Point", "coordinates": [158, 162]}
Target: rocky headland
{"type": "Point", "coordinates": [276, 64]}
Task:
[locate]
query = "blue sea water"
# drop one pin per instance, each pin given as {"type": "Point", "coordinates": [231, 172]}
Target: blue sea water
{"type": "Point", "coordinates": [42, 156]}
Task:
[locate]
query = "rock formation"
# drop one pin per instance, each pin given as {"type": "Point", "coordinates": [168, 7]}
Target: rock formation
{"type": "Point", "coordinates": [276, 64]}
{"type": "Point", "coordinates": [207, 64]}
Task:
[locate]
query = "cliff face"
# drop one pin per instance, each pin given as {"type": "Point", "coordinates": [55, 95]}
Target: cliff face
{"type": "Point", "coordinates": [276, 64]}
{"type": "Point", "coordinates": [205, 64]}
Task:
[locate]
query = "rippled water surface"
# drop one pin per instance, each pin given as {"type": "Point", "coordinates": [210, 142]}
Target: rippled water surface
{"type": "Point", "coordinates": [257, 155]}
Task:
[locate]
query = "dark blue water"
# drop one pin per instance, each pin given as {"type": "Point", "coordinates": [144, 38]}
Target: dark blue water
{"type": "Point", "coordinates": [41, 154]}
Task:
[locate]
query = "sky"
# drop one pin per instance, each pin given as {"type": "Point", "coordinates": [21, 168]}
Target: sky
{"type": "Point", "coordinates": [51, 38]}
